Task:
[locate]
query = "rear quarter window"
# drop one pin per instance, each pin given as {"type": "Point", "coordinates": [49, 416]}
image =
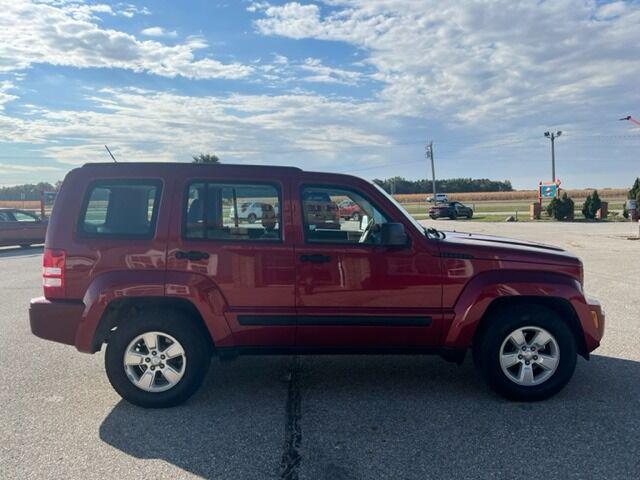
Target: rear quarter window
{"type": "Point", "coordinates": [120, 209]}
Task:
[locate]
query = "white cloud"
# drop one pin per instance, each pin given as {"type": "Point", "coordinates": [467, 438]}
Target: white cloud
{"type": "Point", "coordinates": [158, 32]}
{"type": "Point", "coordinates": [7, 168]}
{"type": "Point", "coordinates": [5, 96]}
{"type": "Point", "coordinates": [59, 35]}
{"type": "Point", "coordinates": [255, 6]}
{"type": "Point", "coordinates": [324, 74]}
{"type": "Point", "coordinates": [129, 11]}
{"type": "Point", "coordinates": [160, 126]}
{"type": "Point", "coordinates": [471, 61]}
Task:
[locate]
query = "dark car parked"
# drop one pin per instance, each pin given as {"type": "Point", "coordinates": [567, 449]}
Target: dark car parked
{"type": "Point", "coordinates": [18, 227]}
{"type": "Point", "coordinates": [450, 210]}
{"type": "Point", "coordinates": [145, 259]}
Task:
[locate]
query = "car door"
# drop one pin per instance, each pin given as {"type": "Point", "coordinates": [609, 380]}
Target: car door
{"type": "Point", "coordinates": [31, 228]}
{"type": "Point", "coordinates": [355, 292]}
{"type": "Point", "coordinates": [9, 229]}
{"type": "Point", "coordinates": [250, 261]}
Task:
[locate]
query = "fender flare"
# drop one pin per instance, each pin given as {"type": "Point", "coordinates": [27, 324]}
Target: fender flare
{"type": "Point", "coordinates": [487, 287]}
{"type": "Point", "coordinates": [194, 288]}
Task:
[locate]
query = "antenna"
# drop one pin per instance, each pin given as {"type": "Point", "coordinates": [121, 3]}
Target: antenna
{"type": "Point", "coordinates": [111, 154]}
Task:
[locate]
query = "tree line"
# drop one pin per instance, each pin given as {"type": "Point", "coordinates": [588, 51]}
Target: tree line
{"type": "Point", "coordinates": [31, 191]}
{"type": "Point", "coordinates": [401, 185]}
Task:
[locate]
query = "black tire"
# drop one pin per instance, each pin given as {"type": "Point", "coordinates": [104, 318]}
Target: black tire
{"type": "Point", "coordinates": [252, 218]}
{"type": "Point", "coordinates": [487, 350]}
{"type": "Point", "coordinates": [355, 217]}
{"type": "Point", "coordinates": [185, 330]}
{"type": "Point", "coordinates": [470, 215]}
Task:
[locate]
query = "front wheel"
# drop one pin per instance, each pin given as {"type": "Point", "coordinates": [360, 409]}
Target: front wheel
{"type": "Point", "coordinates": [158, 359]}
{"type": "Point", "coordinates": [527, 353]}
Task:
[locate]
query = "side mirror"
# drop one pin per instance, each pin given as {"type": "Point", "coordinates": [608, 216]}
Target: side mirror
{"type": "Point", "coordinates": [393, 235]}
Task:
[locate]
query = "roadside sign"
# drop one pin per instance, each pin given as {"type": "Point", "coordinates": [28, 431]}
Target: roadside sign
{"type": "Point", "coordinates": [548, 190]}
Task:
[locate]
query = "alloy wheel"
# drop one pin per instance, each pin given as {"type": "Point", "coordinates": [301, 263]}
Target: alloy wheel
{"type": "Point", "coordinates": [529, 356]}
{"type": "Point", "coordinates": [154, 361]}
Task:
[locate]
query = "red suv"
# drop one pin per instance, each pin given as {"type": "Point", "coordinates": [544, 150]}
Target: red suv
{"type": "Point", "coordinates": [147, 259]}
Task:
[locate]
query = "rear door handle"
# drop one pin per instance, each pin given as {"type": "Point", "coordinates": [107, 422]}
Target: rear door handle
{"type": "Point", "coordinates": [315, 258]}
{"type": "Point", "coordinates": [192, 255]}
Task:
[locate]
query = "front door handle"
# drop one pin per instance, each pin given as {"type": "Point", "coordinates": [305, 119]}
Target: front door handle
{"type": "Point", "coordinates": [192, 255]}
{"type": "Point", "coordinates": [315, 258]}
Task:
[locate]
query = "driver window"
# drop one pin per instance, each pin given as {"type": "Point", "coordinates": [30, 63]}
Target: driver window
{"type": "Point", "coordinates": [335, 215]}
{"type": "Point", "coordinates": [24, 217]}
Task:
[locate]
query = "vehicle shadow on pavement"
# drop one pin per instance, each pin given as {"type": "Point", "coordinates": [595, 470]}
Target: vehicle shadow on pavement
{"type": "Point", "coordinates": [391, 417]}
{"type": "Point", "coordinates": [232, 428]}
{"type": "Point", "coordinates": [20, 252]}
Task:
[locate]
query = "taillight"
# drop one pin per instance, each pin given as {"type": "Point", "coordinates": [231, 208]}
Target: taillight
{"type": "Point", "coordinates": [53, 262]}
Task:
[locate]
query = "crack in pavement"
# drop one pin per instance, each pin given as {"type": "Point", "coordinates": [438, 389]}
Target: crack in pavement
{"type": "Point", "coordinates": [291, 456]}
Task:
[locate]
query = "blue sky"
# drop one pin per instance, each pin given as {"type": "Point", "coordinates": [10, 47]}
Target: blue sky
{"type": "Point", "coordinates": [354, 86]}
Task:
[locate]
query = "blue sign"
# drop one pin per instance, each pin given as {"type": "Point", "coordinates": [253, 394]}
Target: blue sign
{"type": "Point", "coordinates": [548, 191]}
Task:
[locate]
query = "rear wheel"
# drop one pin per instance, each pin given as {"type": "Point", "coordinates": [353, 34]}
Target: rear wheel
{"type": "Point", "coordinates": [526, 353]}
{"type": "Point", "coordinates": [470, 215]}
{"type": "Point", "coordinates": [158, 359]}
{"type": "Point", "coordinates": [252, 218]}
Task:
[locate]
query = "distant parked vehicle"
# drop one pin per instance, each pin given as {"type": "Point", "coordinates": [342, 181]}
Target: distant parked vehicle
{"type": "Point", "coordinates": [252, 211]}
{"type": "Point", "coordinates": [350, 210]}
{"type": "Point", "coordinates": [18, 227]}
{"type": "Point", "coordinates": [320, 210]}
{"type": "Point", "coordinates": [440, 198]}
{"type": "Point", "coordinates": [450, 210]}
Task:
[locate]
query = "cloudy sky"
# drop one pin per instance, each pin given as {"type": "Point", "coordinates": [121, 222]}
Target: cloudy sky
{"type": "Point", "coordinates": [354, 86]}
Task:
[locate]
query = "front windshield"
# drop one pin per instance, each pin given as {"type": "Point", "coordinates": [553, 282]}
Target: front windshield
{"type": "Point", "coordinates": [401, 208]}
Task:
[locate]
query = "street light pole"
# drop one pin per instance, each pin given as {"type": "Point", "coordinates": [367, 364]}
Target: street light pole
{"type": "Point", "coordinates": [552, 136]}
{"type": "Point", "coordinates": [433, 168]}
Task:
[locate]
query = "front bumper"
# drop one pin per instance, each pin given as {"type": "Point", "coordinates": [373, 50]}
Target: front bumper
{"type": "Point", "coordinates": [55, 320]}
{"type": "Point", "coordinates": [593, 326]}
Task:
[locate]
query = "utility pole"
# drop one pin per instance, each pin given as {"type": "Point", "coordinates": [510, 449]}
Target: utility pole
{"type": "Point", "coordinates": [429, 155]}
{"type": "Point", "coordinates": [552, 136]}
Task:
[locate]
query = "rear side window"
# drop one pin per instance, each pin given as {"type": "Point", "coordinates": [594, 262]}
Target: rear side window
{"type": "Point", "coordinates": [120, 209]}
{"type": "Point", "coordinates": [226, 211]}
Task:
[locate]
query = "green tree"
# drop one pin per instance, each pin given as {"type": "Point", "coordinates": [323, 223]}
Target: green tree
{"type": "Point", "coordinates": [451, 185]}
{"type": "Point", "coordinates": [631, 194]}
{"type": "Point", "coordinates": [561, 208]}
{"type": "Point", "coordinates": [30, 191]}
{"type": "Point", "coordinates": [208, 158]}
{"type": "Point", "coordinates": [591, 205]}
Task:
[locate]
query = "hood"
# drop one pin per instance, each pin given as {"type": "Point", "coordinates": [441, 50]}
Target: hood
{"type": "Point", "coordinates": [491, 247]}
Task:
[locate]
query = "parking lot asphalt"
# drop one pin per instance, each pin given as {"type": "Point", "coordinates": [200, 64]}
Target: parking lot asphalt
{"type": "Point", "coordinates": [333, 417]}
